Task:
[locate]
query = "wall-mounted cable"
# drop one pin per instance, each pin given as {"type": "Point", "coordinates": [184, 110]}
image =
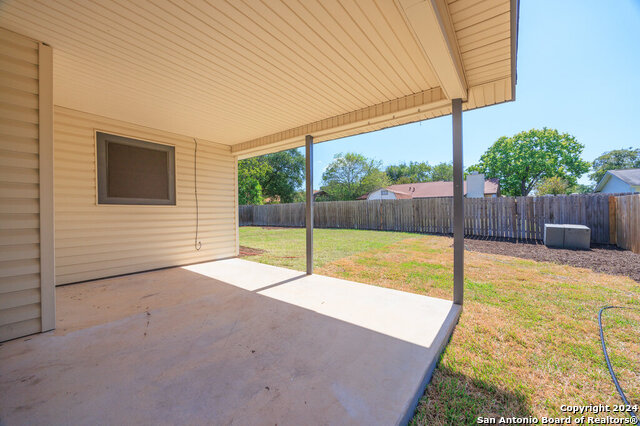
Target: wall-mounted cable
{"type": "Point", "coordinates": [198, 244]}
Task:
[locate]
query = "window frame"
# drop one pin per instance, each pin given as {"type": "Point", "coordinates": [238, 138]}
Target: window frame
{"type": "Point", "coordinates": [102, 140]}
{"type": "Point", "coordinates": [384, 192]}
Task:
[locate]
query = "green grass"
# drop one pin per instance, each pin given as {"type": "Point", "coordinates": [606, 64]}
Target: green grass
{"type": "Point", "coordinates": [527, 341]}
{"type": "Point", "coordinates": [286, 246]}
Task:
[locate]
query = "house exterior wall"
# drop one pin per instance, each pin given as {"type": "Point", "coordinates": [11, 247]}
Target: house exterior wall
{"type": "Point", "coordinates": [26, 243]}
{"type": "Point", "coordinates": [616, 185]}
{"type": "Point", "coordinates": [377, 195]}
{"type": "Point", "coordinates": [94, 241]}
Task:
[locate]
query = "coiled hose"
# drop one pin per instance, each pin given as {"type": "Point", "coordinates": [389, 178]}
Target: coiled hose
{"type": "Point", "coordinates": [606, 357]}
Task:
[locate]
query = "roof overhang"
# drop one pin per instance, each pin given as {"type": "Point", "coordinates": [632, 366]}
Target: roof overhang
{"type": "Point", "coordinates": [605, 179]}
{"type": "Point", "coordinates": [259, 76]}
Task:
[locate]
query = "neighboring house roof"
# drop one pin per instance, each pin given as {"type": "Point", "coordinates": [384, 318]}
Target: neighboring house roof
{"type": "Point", "coordinates": [399, 195]}
{"type": "Point", "coordinates": [628, 176]}
{"type": "Point", "coordinates": [272, 200]}
{"type": "Point", "coordinates": [434, 189]}
{"type": "Point", "coordinates": [318, 193]}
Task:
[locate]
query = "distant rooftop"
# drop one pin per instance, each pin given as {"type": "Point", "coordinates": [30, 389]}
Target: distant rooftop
{"type": "Point", "coordinates": [630, 176]}
{"type": "Point", "coordinates": [434, 189]}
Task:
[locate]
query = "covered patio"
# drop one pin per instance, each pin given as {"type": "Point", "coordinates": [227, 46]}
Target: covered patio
{"type": "Point", "coordinates": [122, 126]}
{"type": "Point", "coordinates": [233, 341]}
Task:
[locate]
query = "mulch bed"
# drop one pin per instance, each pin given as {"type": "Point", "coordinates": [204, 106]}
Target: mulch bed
{"type": "Point", "coordinates": [600, 258]}
{"type": "Point", "coordinates": [248, 251]}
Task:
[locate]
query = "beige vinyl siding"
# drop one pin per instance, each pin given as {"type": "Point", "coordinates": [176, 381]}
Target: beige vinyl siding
{"type": "Point", "coordinates": [19, 187]}
{"type": "Point", "coordinates": [94, 241]}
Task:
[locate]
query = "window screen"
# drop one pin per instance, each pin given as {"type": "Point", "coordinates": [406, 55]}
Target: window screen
{"type": "Point", "coordinates": [131, 171]}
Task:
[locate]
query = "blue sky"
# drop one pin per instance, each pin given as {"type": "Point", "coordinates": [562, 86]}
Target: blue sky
{"type": "Point", "coordinates": [578, 72]}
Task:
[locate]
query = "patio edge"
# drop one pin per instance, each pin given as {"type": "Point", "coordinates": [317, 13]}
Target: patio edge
{"type": "Point", "coordinates": [440, 342]}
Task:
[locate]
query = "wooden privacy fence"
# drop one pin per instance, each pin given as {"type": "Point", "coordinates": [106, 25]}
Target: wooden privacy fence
{"type": "Point", "coordinates": [505, 217]}
{"type": "Point", "coordinates": [625, 230]}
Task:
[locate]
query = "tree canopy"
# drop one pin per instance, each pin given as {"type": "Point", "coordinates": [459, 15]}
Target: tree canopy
{"type": "Point", "coordinates": [350, 175]}
{"type": "Point", "coordinates": [614, 160]}
{"type": "Point", "coordinates": [520, 162]}
{"type": "Point", "coordinates": [409, 173]}
{"type": "Point", "coordinates": [442, 171]}
{"type": "Point", "coordinates": [553, 185]}
{"type": "Point", "coordinates": [277, 176]}
{"type": "Point", "coordinates": [250, 173]}
{"type": "Point", "coordinates": [284, 175]}
{"type": "Point", "coordinates": [415, 172]}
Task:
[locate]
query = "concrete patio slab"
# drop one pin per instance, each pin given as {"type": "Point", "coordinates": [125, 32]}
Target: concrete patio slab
{"type": "Point", "coordinates": [227, 342]}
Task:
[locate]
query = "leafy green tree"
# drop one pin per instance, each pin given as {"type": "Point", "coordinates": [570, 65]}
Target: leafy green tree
{"type": "Point", "coordinates": [300, 197]}
{"type": "Point", "coordinates": [614, 160]}
{"type": "Point", "coordinates": [350, 175]}
{"type": "Point", "coordinates": [415, 172]}
{"type": "Point", "coordinates": [284, 175]}
{"type": "Point", "coordinates": [442, 171]}
{"type": "Point", "coordinates": [250, 172]}
{"type": "Point", "coordinates": [409, 173]}
{"type": "Point", "coordinates": [582, 189]}
{"type": "Point", "coordinates": [521, 161]}
{"type": "Point", "coordinates": [277, 176]}
{"type": "Point", "coordinates": [553, 185]}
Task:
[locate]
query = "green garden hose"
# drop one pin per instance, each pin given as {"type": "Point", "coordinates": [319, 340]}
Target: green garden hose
{"type": "Point", "coordinates": [606, 357]}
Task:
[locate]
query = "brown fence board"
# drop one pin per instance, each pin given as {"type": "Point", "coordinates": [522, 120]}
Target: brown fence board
{"type": "Point", "coordinates": [627, 226]}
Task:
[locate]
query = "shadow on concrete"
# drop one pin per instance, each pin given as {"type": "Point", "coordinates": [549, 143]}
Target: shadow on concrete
{"type": "Point", "coordinates": [279, 283]}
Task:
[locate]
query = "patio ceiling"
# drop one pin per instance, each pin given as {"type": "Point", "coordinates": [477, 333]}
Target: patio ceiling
{"type": "Point", "coordinates": [259, 75]}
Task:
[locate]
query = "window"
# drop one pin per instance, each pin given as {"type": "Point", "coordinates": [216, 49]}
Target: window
{"type": "Point", "coordinates": [132, 171]}
{"type": "Point", "coordinates": [384, 192]}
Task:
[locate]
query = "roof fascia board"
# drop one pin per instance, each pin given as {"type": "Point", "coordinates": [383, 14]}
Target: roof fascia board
{"type": "Point", "coordinates": [431, 26]}
{"type": "Point", "coordinates": [515, 24]}
{"type": "Point", "coordinates": [605, 179]}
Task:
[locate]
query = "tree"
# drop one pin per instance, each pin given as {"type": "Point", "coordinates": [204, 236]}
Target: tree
{"type": "Point", "coordinates": [442, 171]}
{"type": "Point", "coordinates": [415, 172]}
{"type": "Point", "coordinates": [409, 173]}
{"type": "Point", "coordinates": [582, 189]}
{"type": "Point", "coordinates": [250, 173]}
{"type": "Point", "coordinates": [350, 175]}
{"type": "Point", "coordinates": [277, 176]}
{"type": "Point", "coordinates": [553, 185]}
{"type": "Point", "coordinates": [521, 161]}
{"type": "Point", "coordinates": [284, 175]}
{"type": "Point", "coordinates": [613, 160]}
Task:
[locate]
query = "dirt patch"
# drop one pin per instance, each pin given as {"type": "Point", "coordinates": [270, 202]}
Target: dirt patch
{"type": "Point", "coordinates": [249, 251]}
{"type": "Point", "coordinates": [600, 258]}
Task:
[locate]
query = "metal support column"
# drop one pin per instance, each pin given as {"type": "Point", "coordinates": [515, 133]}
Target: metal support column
{"type": "Point", "coordinates": [458, 204]}
{"type": "Point", "coordinates": [309, 209]}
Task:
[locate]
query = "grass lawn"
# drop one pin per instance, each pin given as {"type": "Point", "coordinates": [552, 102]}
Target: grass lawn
{"type": "Point", "coordinates": [527, 341]}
